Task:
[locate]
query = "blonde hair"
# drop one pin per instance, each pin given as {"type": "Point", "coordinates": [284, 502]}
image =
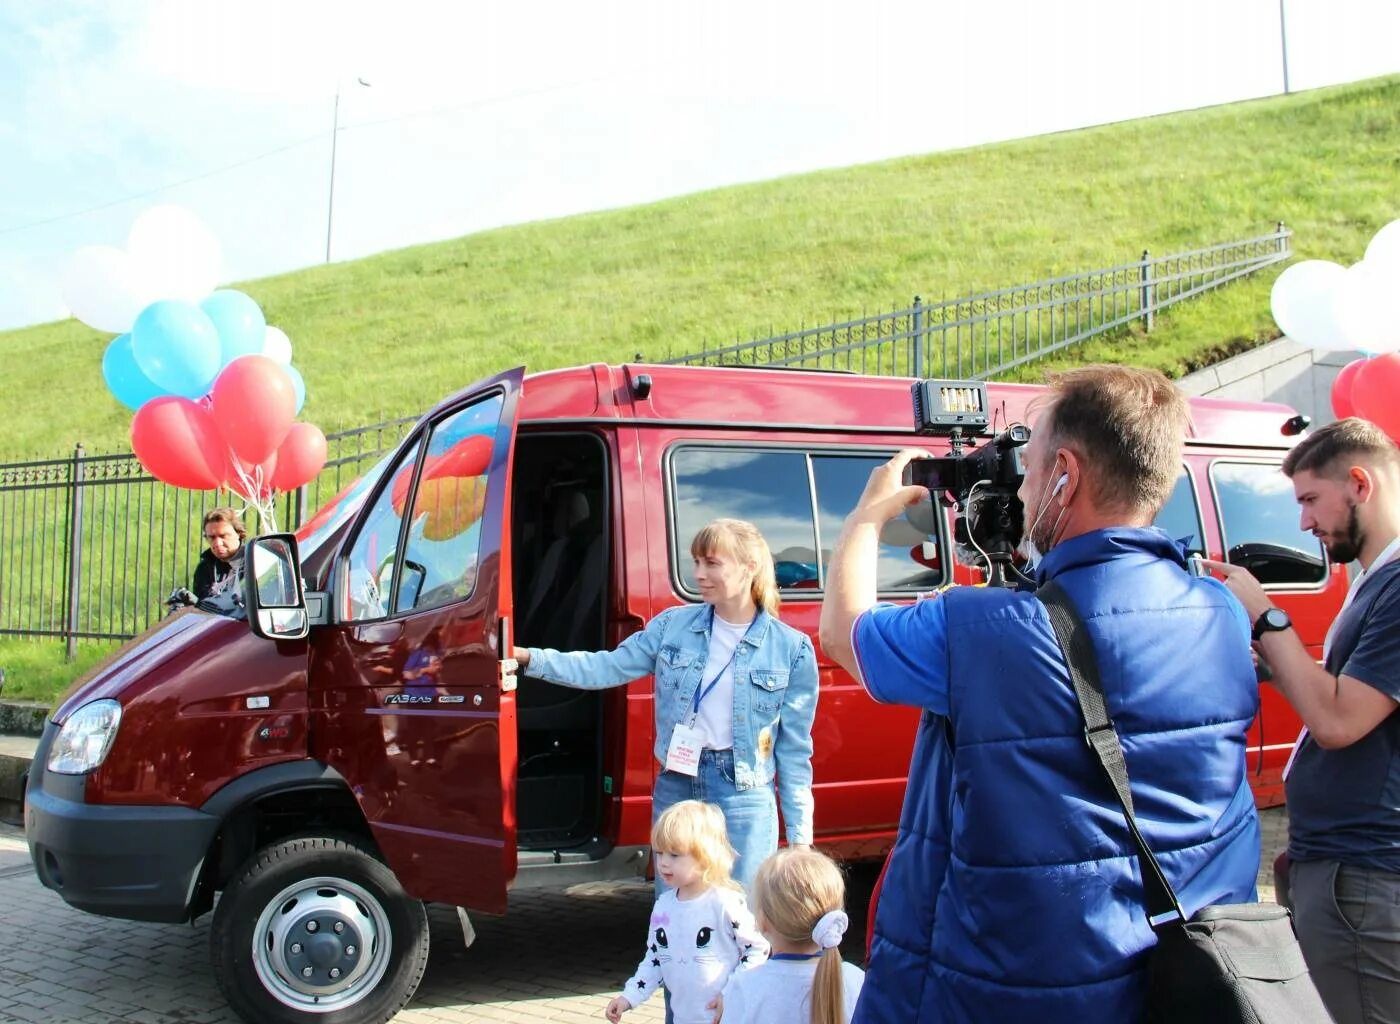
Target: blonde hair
{"type": "Point", "coordinates": [741, 540]}
{"type": "Point", "coordinates": [791, 892]}
{"type": "Point", "coordinates": [696, 828]}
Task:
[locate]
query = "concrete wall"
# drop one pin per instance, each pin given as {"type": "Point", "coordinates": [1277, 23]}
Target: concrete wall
{"type": "Point", "coordinates": [1281, 371]}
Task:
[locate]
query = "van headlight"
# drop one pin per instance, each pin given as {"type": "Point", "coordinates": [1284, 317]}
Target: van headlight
{"type": "Point", "coordinates": [85, 738]}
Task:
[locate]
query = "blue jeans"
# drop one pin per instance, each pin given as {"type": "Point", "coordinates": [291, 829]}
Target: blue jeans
{"type": "Point", "coordinates": [750, 816]}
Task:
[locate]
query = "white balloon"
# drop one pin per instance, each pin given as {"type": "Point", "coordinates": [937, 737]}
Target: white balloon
{"type": "Point", "coordinates": [277, 346]}
{"type": "Point", "coordinates": [1363, 310]}
{"type": "Point", "coordinates": [105, 288]}
{"type": "Point", "coordinates": [1384, 249]}
{"type": "Point", "coordinates": [179, 253]}
{"type": "Point", "coordinates": [1301, 301]}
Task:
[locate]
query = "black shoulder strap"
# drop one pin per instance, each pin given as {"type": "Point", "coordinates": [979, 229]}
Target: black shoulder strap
{"type": "Point", "coordinates": [1158, 896]}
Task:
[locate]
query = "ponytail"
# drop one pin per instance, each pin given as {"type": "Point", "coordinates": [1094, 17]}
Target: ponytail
{"type": "Point", "coordinates": [828, 991]}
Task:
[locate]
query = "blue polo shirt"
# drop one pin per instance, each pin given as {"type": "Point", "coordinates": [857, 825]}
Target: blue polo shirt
{"type": "Point", "coordinates": [1344, 805]}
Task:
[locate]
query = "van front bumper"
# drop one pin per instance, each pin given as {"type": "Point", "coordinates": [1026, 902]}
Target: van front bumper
{"type": "Point", "coordinates": [134, 862]}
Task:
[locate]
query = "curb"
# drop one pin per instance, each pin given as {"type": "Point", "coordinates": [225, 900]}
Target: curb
{"type": "Point", "coordinates": [14, 771]}
{"type": "Point", "coordinates": [23, 717]}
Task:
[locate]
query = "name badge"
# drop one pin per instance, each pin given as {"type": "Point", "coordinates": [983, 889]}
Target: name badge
{"type": "Point", "coordinates": [684, 753]}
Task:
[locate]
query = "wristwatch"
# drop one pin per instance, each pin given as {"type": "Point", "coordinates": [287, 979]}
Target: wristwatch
{"type": "Point", "coordinates": [1272, 621]}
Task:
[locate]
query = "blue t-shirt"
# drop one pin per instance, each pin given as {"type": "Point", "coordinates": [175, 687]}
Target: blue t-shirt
{"type": "Point", "coordinates": [1344, 805]}
{"type": "Point", "coordinates": [885, 643]}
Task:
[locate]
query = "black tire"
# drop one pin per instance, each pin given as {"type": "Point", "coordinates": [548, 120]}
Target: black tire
{"type": "Point", "coordinates": [324, 905]}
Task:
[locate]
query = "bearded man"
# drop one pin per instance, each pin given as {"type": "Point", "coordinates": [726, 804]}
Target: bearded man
{"type": "Point", "coordinates": [1343, 781]}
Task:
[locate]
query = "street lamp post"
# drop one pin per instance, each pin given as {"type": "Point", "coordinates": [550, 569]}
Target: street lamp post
{"type": "Point", "coordinates": [335, 132]}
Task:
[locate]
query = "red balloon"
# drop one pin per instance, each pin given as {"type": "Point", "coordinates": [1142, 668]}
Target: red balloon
{"type": "Point", "coordinates": [255, 405]}
{"type": "Point", "coordinates": [1374, 388]}
{"type": "Point", "coordinates": [1341, 389]}
{"type": "Point", "coordinates": [300, 458]}
{"type": "Point", "coordinates": [176, 441]}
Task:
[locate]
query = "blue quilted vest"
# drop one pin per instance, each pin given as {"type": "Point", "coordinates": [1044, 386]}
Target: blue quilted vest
{"type": "Point", "coordinates": [1011, 894]}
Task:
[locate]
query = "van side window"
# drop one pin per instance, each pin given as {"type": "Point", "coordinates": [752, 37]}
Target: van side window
{"type": "Point", "coordinates": [903, 561]}
{"type": "Point", "coordinates": [1259, 523]}
{"type": "Point", "coordinates": [440, 536]}
{"type": "Point", "coordinates": [1180, 518]}
{"type": "Point", "coordinates": [793, 496]}
{"type": "Point", "coordinates": [444, 532]}
{"type": "Point", "coordinates": [768, 488]}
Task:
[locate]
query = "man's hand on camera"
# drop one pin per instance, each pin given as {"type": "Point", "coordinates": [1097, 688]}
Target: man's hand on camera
{"type": "Point", "coordinates": [886, 495]}
{"type": "Point", "coordinates": [1243, 585]}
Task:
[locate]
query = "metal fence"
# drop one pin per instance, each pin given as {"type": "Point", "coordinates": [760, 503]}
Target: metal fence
{"type": "Point", "coordinates": [91, 545]}
{"type": "Point", "coordinates": [983, 335]}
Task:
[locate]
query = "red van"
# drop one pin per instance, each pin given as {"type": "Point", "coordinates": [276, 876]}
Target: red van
{"type": "Point", "coordinates": [367, 746]}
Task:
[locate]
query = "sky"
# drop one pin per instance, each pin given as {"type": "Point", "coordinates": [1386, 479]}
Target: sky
{"type": "Point", "coordinates": [478, 114]}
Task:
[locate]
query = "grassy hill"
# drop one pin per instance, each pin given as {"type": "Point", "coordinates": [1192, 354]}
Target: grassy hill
{"type": "Point", "coordinates": [388, 335]}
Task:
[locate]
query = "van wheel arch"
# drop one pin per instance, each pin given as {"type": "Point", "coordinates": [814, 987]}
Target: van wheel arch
{"type": "Point", "coordinates": [272, 804]}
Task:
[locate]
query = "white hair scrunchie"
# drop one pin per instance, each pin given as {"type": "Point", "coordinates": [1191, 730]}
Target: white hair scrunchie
{"type": "Point", "coordinates": [829, 931]}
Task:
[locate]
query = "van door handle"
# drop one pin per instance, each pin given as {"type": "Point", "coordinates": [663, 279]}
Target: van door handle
{"type": "Point", "coordinates": [507, 666]}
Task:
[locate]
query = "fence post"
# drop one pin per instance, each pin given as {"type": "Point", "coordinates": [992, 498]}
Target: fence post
{"type": "Point", "coordinates": [916, 361]}
{"type": "Point", "coordinates": [1282, 239]}
{"type": "Point", "coordinates": [298, 509]}
{"type": "Point", "coordinates": [1148, 292]}
{"type": "Point", "coordinates": [75, 552]}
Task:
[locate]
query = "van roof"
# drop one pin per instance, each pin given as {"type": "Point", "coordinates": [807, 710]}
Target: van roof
{"type": "Point", "coordinates": [767, 398]}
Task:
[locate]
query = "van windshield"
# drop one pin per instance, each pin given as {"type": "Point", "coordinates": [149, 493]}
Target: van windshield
{"type": "Point", "coordinates": [333, 515]}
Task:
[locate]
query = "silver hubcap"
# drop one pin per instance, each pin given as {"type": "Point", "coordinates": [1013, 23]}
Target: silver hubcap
{"type": "Point", "coordinates": [321, 944]}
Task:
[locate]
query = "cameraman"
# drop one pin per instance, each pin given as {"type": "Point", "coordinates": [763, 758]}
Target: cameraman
{"type": "Point", "coordinates": [1013, 892]}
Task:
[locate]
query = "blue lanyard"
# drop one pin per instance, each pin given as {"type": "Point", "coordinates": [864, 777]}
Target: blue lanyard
{"type": "Point", "coordinates": [794, 956]}
{"type": "Point", "coordinates": [703, 691]}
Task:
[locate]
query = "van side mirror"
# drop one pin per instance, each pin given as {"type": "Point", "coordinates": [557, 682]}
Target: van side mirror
{"type": "Point", "coordinates": [272, 590]}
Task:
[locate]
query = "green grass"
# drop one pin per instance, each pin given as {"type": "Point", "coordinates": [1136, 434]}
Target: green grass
{"type": "Point", "coordinates": [39, 669]}
{"type": "Point", "coordinates": [390, 334]}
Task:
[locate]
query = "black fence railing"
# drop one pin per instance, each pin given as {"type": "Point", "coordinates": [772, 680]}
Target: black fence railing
{"type": "Point", "coordinates": [988, 334]}
{"type": "Point", "coordinates": [91, 545]}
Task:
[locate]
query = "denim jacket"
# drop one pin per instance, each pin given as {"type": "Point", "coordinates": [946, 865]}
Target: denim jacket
{"type": "Point", "coordinates": [772, 714]}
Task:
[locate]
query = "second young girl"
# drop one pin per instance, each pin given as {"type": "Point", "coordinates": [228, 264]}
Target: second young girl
{"type": "Point", "coordinates": [798, 898]}
{"type": "Point", "coordinates": [701, 931]}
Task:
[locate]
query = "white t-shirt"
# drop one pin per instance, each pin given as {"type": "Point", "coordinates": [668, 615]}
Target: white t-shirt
{"type": "Point", "coordinates": [715, 720]}
{"type": "Point", "coordinates": [780, 992]}
{"type": "Point", "coordinates": [693, 948]}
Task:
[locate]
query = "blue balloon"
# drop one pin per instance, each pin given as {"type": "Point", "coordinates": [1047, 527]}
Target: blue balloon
{"type": "Point", "coordinates": [239, 321]}
{"type": "Point", "coordinates": [298, 385]}
{"type": "Point", "coordinates": [130, 386]}
{"type": "Point", "coordinates": [177, 347]}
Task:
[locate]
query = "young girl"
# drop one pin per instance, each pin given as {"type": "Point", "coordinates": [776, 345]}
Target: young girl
{"type": "Point", "coordinates": [701, 929]}
{"type": "Point", "coordinates": [798, 897]}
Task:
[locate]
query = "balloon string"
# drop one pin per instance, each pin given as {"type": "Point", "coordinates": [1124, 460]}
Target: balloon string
{"type": "Point", "coordinates": [251, 490]}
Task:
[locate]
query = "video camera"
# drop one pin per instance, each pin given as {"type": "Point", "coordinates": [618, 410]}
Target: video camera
{"type": "Point", "coordinates": [982, 482]}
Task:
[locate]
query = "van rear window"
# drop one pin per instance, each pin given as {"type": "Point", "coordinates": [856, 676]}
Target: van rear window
{"type": "Point", "coordinates": [798, 500]}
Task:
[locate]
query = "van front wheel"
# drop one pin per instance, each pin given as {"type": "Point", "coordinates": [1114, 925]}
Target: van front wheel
{"type": "Point", "coordinates": [318, 930]}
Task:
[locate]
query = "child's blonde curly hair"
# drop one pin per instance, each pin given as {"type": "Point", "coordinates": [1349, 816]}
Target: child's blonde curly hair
{"type": "Point", "coordinates": [696, 828]}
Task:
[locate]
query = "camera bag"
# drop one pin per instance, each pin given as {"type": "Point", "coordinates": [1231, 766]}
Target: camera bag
{"type": "Point", "coordinates": [1230, 963]}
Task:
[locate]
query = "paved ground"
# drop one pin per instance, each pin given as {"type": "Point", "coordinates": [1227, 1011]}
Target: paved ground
{"type": "Point", "coordinates": [556, 957]}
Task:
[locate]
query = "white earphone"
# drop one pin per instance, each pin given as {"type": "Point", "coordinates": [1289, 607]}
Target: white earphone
{"type": "Point", "coordinates": [1060, 484]}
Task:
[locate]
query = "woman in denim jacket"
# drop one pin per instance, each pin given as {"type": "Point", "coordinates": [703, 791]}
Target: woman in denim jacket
{"type": "Point", "coordinates": [740, 686]}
